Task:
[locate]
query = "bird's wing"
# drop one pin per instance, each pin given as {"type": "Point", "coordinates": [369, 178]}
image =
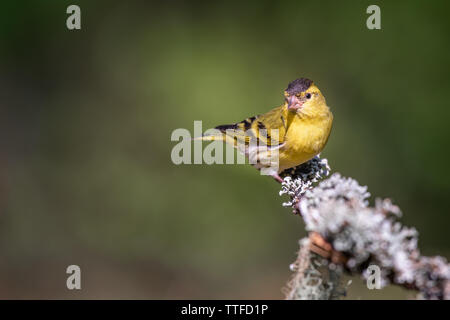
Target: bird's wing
{"type": "Point", "coordinates": [267, 129]}
{"type": "Point", "coordinates": [275, 124]}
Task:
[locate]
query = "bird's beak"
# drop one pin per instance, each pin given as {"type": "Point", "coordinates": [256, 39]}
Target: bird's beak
{"type": "Point", "coordinates": [294, 103]}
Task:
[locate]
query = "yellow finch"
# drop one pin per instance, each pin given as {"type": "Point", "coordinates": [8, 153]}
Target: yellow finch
{"type": "Point", "coordinates": [303, 124]}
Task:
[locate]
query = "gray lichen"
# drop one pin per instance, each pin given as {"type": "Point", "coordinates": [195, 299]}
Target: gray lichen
{"type": "Point", "coordinates": [314, 278]}
{"type": "Point", "coordinates": [305, 176]}
{"type": "Point", "coordinates": [338, 209]}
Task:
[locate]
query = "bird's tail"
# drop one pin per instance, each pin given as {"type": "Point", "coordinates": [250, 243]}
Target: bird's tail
{"type": "Point", "coordinates": [219, 133]}
{"type": "Point", "coordinates": [211, 137]}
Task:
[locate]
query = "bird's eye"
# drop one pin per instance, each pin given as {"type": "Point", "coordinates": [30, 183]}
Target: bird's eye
{"type": "Point", "coordinates": [308, 96]}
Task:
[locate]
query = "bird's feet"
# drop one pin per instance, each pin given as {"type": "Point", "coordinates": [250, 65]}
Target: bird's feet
{"type": "Point", "coordinates": [277, 177]}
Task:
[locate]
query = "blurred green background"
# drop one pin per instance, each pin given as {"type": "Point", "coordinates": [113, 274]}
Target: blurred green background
{"type": "Point", "coordinates": [86, 118]}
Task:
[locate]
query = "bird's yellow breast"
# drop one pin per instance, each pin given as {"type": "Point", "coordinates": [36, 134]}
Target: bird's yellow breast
{"type": "Point", "coordinates": [305, 138]}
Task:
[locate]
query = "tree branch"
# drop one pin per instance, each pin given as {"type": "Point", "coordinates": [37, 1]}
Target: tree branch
{"type": "Point", "coordinates": [349, 235]}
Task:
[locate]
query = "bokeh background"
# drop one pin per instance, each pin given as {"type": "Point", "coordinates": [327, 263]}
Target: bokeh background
{"type": "Point", "coordinates": [86, 119]}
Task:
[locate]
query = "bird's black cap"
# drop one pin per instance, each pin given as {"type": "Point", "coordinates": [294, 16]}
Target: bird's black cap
{"type": "Point", "coordinates": [298, 85]}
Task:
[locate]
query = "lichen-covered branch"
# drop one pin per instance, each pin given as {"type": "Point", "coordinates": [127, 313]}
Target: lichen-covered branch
{"type": "Point", "coordinates": [349, 233]}
{"type": "Point", "coordinates": [314, 277]}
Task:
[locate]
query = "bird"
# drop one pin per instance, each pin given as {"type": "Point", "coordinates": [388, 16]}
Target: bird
{"type": "Point", "coordinates": [294, 132]}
